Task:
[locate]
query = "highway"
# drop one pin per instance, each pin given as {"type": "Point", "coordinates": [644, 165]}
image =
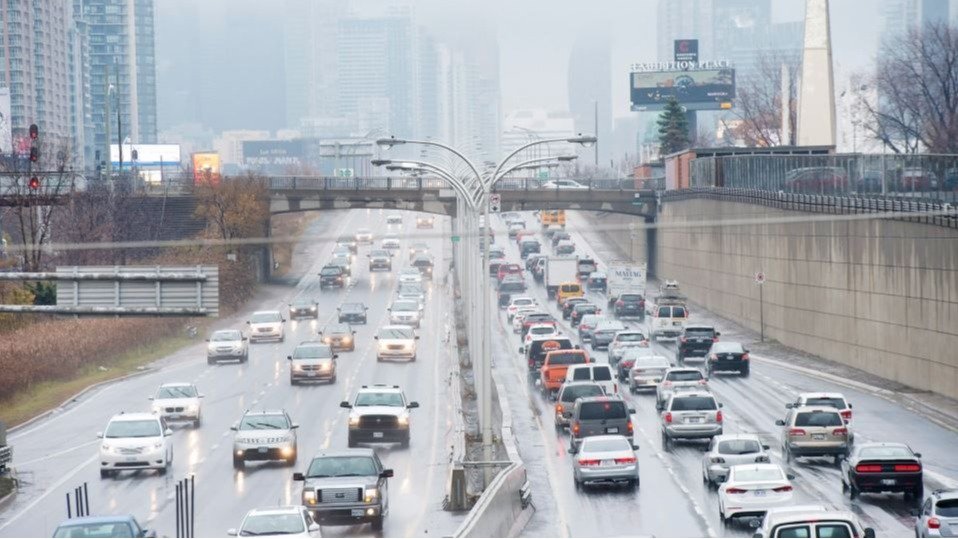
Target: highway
{"type": "Point", "coordinates": [59, 453]}
{"type": "Point", "coordinates": [673, 500]}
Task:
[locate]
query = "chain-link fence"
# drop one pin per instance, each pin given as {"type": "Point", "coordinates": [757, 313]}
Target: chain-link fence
{"type": "Point", "coordinates": [910, 176]}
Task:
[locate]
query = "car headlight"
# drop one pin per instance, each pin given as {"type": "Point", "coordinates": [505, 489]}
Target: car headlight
{"type": "Point", "coordinates": [403, 421]}
{"type": "Point", "coordinates": [354, 421]}
{"type": "Point", "coordinates": [372, 495]}
{"type": "Point", "coordinates": [157, 410]}
{"type": "Point", "coordinates": [107, 448]}
{"type": "Point", "coordinates": [309, 496]}
{"type": "Point", "coordinates": [157, 445]}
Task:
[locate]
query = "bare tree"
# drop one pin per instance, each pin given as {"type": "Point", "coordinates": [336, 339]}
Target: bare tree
{"type": "Point", "coordinates": [759, 102]}
{"type": "Point", "coordinates": [910, 103]}
{"type": "Point", "coordinates": [236, 207]}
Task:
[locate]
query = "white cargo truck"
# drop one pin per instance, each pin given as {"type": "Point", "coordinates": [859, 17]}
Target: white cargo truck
{"type": "Point", "coordinates": [560, 269]}
{"type": "Point", "coordinates": [625, 278]}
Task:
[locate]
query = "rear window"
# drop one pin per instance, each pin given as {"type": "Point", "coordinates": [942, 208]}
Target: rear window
{"type": "Point", "coordinates": [602, 446]}
{"type": "Point", "coordinates": [819, 419]}
{"type": "Point", "coordinates": [833, 403]}
{"type": "Point", "coordinates": [665, 312]}
{"type": "Point", "coordinates": [834, 530]}
{"type": "Point", "coordinates": [630, 297]}
{"type": "Point", "coordinates": [603, 410]}
{"type": "Point", "coordinates": [700, 332]}
{"type": "Point", "coordinates": [602, 374]}
{"type": "Point", "coordinates": [728, 348]}
{"type": "Point", "coordinates": [685, 376]}
{"type": "Point", "coordinates": [760, 474]}
{"type": "Point", "coordinates": [567, 359]}
{"type": "Point", "coordinates": [580, 374]}
{"type": "Point", "coordinates": [796, 532]}
{"type": "Point", "coordinates": [678, 312]}
{"type": "Point", "coordinates": [682, 404]}
{"type": "Point", "coordinates": [739, 447]}
{"type": "Point", "coordinates": [886, 452]}
{"type": "Point", "coordinates": [570, 288]}
{"type": "Point", "coordinates": [630, 337]}
{"type": "Point", "coordinates": [570, 394]}
{"type": "Point", "coordinates": [947, 508]}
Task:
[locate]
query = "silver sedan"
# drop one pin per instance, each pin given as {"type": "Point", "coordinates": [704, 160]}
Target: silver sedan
{"type": "Point", "coordinates": [728, 450]}
{"type": "Point", "coordinates": [606, 459]}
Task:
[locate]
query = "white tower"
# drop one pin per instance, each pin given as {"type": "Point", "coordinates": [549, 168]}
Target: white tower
{"type": "Point", "coordinates": [816, 101]}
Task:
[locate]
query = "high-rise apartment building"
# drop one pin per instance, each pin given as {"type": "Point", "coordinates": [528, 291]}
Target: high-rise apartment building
{"type": "Point", "coordinates": [590, 94]}
{"type": "Point", "coordinates": [310, 59]}
{"type": "Point", "coordinates": [900, 16]}
{"type": "Point", "coordinates": [123, 67]}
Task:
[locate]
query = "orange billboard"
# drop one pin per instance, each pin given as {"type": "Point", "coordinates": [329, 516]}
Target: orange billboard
{"type": "Point", "coordinates": [206, 168]}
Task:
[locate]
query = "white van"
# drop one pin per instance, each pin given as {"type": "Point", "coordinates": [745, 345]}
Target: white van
{"type": "Point", "coordinates": [601, 375]}
{"type": "Point", "coordinates": [668, 320]}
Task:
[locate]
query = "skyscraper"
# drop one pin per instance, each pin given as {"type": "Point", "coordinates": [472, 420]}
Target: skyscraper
{"type": "Point", "coordinates": [310, 59]}
{"type": "Point", "coordinates": [685, 19]}
{"type": "Point", "coordinates": [900, 16]}
{"type": "Point", "coordinates": [590, 93]}
{"type": "Point", "coordinates": [122, 64]}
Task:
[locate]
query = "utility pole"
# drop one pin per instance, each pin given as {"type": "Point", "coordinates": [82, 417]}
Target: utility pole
{"type": "Point", "coordinates": [119, 126]}
{"type": "Point", "coordinates": [106, 124]}
{"type": "Point", "coordinates": [596, 131]}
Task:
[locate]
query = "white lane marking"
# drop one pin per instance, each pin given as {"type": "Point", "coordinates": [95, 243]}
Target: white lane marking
{"type": "Point", "coordinates": [55, 486]}
{"type": "Point", "coordinates": [57, 454]}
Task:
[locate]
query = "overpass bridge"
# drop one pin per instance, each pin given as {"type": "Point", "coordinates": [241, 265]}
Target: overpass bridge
{"type": "Point", "coordinates": [433, 195]}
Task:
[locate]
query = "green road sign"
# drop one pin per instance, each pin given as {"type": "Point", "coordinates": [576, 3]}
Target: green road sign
{"type": "Point", "coordinates": [455, 239]}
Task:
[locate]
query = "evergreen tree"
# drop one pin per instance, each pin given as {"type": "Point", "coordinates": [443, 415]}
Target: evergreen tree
{"type": "Point", "coordinates": [673, 128]}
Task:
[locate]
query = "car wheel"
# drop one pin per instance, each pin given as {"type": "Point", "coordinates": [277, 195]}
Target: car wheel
{"type": "Point", "coordinates": [292, 381]}
{"type": "Point", "coordinates": [238, 463]}
{"type": "Point", "coordinates": [404, 443]}
{"type": "Point", "coordinates": [196, 423]}
{"type": "Point", "coordinates": [104, 474]}
{"type": "Point", "coordinates": [666, 443]}
{"type": "Point", "coordinates": [853, 491]}
{"type": "Point", "coordinates": [245, 359]}
{"type": "Point", "coordinates": [377, 523]}
{"type": "Point", "coordinates": [788, 454]}
{"type": "Point", "coordinates": [578, 484]}
{"type": "Point", "coordinates": [291, 461]}
{"type": "Point", "coordinates": [744, 373]}
{"type": "Point", "coordinates": [209, 361]}
{"type": "Point", "coordinates": [350, 442]}
{"type": "Point", "coordinates": [918, 494]}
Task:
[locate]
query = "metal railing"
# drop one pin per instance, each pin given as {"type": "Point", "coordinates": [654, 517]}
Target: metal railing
{"type": "Point", "coordinates": [305, 183]}
{"type": "Point", "coordinates": [918, 176]}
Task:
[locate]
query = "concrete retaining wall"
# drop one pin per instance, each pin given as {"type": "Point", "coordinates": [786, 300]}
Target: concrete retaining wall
{"type": "Point", "coordinates": [881, 296]}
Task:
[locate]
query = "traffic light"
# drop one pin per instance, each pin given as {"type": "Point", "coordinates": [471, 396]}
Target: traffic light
{"type": "Point", "coordinates": [34, 155]}
{"type": "Point", "coordinates": [34, 183]}
{"type": "Point", "coordinates": [34, 131]}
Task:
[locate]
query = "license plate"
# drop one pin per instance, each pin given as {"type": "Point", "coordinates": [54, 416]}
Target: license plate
{"type": "Point", "coordinates": [676, 323]}
{"type": "Point", "coordinates": [607, 462]}
{"type": "Point", "coordinates": [173, 416]}
{"type": "Point", "coordinates": [263, 450]}
{"type": "Point", "coordinates": [377, 435]}
{"type": "Point", "coordinates": [310, 374]}
{"type": "Point", "coordinates": [612, 430]}
{"type": "Point", "coordinates": [694, 420]}
{"type": "Point", "coordinates": [357, 512]}
{"type": "Point", "coordinates": [759, 493]}
{"type": "Point", "coordinates": [818, 436]}
{"type": "Point", "coordinates": [888, 481]}
{"type": "Point", "coordinates": [130, 459]}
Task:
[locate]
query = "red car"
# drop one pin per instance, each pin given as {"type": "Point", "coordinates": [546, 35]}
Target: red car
{"type": "Point", "coordinates": [508, 269]}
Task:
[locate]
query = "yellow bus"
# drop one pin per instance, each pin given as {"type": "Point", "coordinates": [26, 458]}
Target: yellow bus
{"type": "Point", "coordinates": [552, 217]}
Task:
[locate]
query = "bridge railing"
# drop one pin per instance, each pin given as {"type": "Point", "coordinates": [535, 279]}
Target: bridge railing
{"type": "Point", "coordinates": [398, 183]}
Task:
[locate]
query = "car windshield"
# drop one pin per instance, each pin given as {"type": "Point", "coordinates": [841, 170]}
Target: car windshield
{"type": "Point", "coordinates": [739, 447]}
{"type": "Point", "coordinates": [818, 419]}
{"type": "Point", "coordinates": [593, 445]}
{"type": "Point", "coordinates": [395, 333]}
{"type": "Point", "coordinates": [95, 530]}
{"type": "Point", "coordinates": [264, 422]}
{"type": "Point", "coordinates": [826, 401]}
{"type": "Point", "coordinates": [405, 306]}
{"type": "Point", "coordinates": [566, 358]}
{"type": "Point", "coordinates": [601, 374]}
{"type": "Point", "coordinates": [571, 393]}
{"type": "Point", "coordinates": [276, 524]}
{"type": "Point", "coordinates": [351, 307]}
{"type": "Point", "coordinates": [312, 351]}
{"type": "Point", "coordinates": [603, 410]}
{"type": "Point", "coordinates": [758, 474]}
{"type": "Point", "coordinates": [384, 398]}
{"type": "Point", "coordinates": [947, 508]}
{"type": "Point", "coordinates": [334, 329]}
{"type": "Point", "coordinates": [302, 303]}
{"type": "Point", "coordinates": [379, 254]}
{"type": "Point", "coordinates": [342, 467]}
{"type": "Point", "coordinates": [689, 404]}
{"type": "Point", "coordinates": [727, 348]}
{"type": "Point", "coordinates": [145, 428]}
{"type": "Point", "coordinates": [265, 318]}
{"type": "Point", "coordinates": [176, 392]}
{"type": "Point", "coordinates": [886, 452]}
{"type": "Point", "coordinates": [224, 336]}
{"type": "Point", "coordinates": [685, 376]}
{"type": "Point", "coordinates": [330, 271]}
{"type": "Point", "coordinates": [630, 297]}
{"type": "Point", "coordinates": [542, 330]}
{"type": "Point", "coordinates": [630, 337]}
{"type": "Point", "coordinates": [585, 308]}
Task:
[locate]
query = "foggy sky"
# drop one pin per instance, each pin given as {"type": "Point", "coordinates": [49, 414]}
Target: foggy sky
{"type": "Point", "coordinates": [228, 54]}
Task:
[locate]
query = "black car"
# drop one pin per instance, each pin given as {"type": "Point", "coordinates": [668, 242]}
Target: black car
{"type": "Point", "coordinates": [332, 277]}
{"type": "Point", "coordinates": [597, 281]}
{"type": "Point", "coordinates": [425, 266]}
{"type": "Point", "coordinates": [560, 236]}
{"type": "Point", "coordinates": [303, 308]}
{"type": "Point", "coordinates": [532, 260]}
{"type": "Point", "coordinates": [695, 341]}
{"type": "Point", "coordinates": [628, 305]}
{"type": "Point", "coordinates": [883, 467]}
{"type": "Point", "coordinates": [727, 356]}
{"type": "Point", "coordinates": [380, 260]}
{"type": "Point", "coordinates": [569, 305]}
{"type": "Point", "coordinates": [582, 309]}
{"type": "Point", "coordinates": [528, 247]}
{"type": "Point", "coordinates": [352, 313]}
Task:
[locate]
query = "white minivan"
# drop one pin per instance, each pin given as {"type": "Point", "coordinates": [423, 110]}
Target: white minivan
{"type": "Point", "coordinates": [601, 375]}
{"type": "Point", "coordinates": [668, 320]}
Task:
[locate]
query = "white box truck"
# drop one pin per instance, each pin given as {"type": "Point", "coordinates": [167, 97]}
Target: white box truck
{"type": "Point", "coordinates": [625, 278]}
{"type": "Point", "coordinates": [560, 269]}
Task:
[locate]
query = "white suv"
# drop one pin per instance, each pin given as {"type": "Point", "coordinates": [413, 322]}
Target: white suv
{"type": "Point", "coordinates": [396, 342]}
{"type": "Point", "coordinates": [135, 442]}
{"type": "Point", "coordinates": [177, 402]}
{"type": "Point", "coordinates": [380, 414]}
{"type": "Point", "coordinates": [266, 325]}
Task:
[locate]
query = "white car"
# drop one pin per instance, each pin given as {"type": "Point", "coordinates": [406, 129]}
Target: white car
{"type": "Point", "coordinates": [606, 459]}
{"type": "Point", "coordinates": [596, 373]}
{"type": "Point", "coordinates": [626, 339]}
{"type": "Point", "coordinates": [228, 344]}
{"type": "Point", "coordinates": [265, 325]}
{"type": "Point", "coordinates": [135, 442]}
{"type": "Point", "coordinates": [364, 236]}
{"type": "Point", "coordinates": [520, 316]}
{"type": "Point", "coordinates": [380, 414]}
{"type": "Point", "coordinates": [752, 489]}
{"type": "Point", "coordinates": [412, 291]}
{"type": "Point", "coordinates": [394, 219]}
{"type": "Point", "coordinates": [396, 342]}
{"type": "Point", "coordinates": [410, 275]}
{"type": "Point", "coordinates": [177, 402]}
{"type": "Point", "coordinates": [646, 371]}
{"type": "Point", "coordinates": [342, 251]}
{"type": "Point", "coordinates": [516, 303]}
{"type": "Point", "coordinates": [539, 331]}
{"type": "Point", "coordinates": [405, 312]}
{"type": "Point", "coordinates": [390, 243]}
{"type": "Point", "coordinates": [563, 184]}
{"type": "Point", "coordinates": [727, 450]}
{"type": "Point", "coordinates": [288, 521]}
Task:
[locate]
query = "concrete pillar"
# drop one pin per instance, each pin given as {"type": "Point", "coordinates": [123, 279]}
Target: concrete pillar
{"type": "Point", "coordinates": [816, 101]}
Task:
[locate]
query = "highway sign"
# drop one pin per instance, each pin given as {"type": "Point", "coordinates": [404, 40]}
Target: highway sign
{"type": "Point", "coordinates": [495, 203]}
{"type": "Point", "coordinates": [455, 239]}
{"type": "Point", "coordinates": [345, 173]}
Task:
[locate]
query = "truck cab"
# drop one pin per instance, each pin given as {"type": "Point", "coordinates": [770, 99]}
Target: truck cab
{"type": "Point", "coordinates": [552, 374]}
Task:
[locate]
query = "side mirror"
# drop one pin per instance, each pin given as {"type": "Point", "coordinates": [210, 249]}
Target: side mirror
{"type": "Point", "coordinates": [339, 308]}
{"type": "Point", "coordinates": [573, 450]}
{"type": "Point", "coordinates": [719, 334]}
{"type": "Point", "coordinates": [635, 447]}
{"type": "Point", "coordinates": [376, 337]}
{"type": "Point", "coordinates": [417, 337]}
{"type": "Point", "coordinates": [869, 532]}
{"type": "Point", "coordinates": [207, 340]}
{"type": "Point", "coordinates": [745, 350]}
{"type": "Point", "coordinates": [231, 532]}
{"type": "Point", "coordinates": [850, 406]}
{"type": "Point", "coordinates": [99, 435]}
{"type": "Point", "coordinates": [917, 455]}
{"type": "Point", "coordinates": [413, 404]}
{"type": "Point", "coordinates": [790, 405]}
{"type": "Point", "coordinates": [721, 405]}
{"type": "Point", "coordinates": [631, 410]}
{"type": "Point", "coordinates": [168, 432]}
{"type": "Point", "coordinates": [245, 338]}
{"type": "Point", "coordinates": [282, 320]}
{"type": "Point", "coordinates": [780, 422]}
{"type": "Point", "coordinates": [765, 447]}
{"type": "Point", "coordinates": [576, 347]}
{"type": "Point", "coordinates": [335, 356]}
{"type": "Point", "coordinates": [149, 398]}
{"type": "Point", "coordinates": [234, 428]}
{"type": "Point", "coordinates": [298, 476]}
{"type": "Point", "coordinates": [522, 349]}
{"type": "Point", "coordinates": [247, 322]}
{"type": "Point", "coordinates": [790, 477]}
{"type": "Point", "coordinates": [290, 358]}
{"type": "Point", "coordinates": [313, 527]}
{"type": "Point", "coordinates": [345, 404]}
{"type": "Point", "coordinates": [201, 396]}
{"type": "Point", "coordinates": [294, 426]}
{"type": "Point", "coordinates": [386, 474]}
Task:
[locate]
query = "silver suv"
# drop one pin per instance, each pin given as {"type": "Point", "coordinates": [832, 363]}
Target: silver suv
{"type": "Point", "coordinates": [346, 486]}
{"type": "Point", "coordinates": [227, 344]}
{"type": "Point", "coordinates": [380, 414]}
{"type": "Point", "coordinates": [312, 361]}
{"type": "Point", "coordinates": [264, 435]}
{"type": "Point", "coordinates": [689, 416]}
{"type": "Point", "coordinates": [938, 516]}
{"type": "Point", "coordinates": [679, 379]}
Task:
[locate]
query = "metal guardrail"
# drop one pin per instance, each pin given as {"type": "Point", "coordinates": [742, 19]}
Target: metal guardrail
{"type": "Point", "coordinates": [904, 209]}
{"type": "Point", "coordinates": [303, 183]}
{"type": "Point", "coordinates": [6, 457]}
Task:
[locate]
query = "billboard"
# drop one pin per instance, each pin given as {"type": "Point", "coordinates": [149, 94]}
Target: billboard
{"type": "Point", "coordinates": [699, 89]}
{"type": "Point", "coordinates": [206, 168]}
{"type": "Point", "coordinates": [686, 50]}
{"type": "Point", "coordinates": [147, 155]}
{"type": "Point", "coordinates": [274, 156]}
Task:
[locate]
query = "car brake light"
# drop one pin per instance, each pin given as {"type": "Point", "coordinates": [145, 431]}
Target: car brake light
{"type": "Point", "coordinates": [840, 432]}
{"type": "Point", "coordinates": [735, 491]}
{"type": "Point", "coordinates": [713, 357]}
{"type": "Point", "coordinates": [786, 488]}
{"type": "Point", "coordinates": [684, 340]}
{"type": "Point", "coordinates": [575, 428]}
{"type": "Point", "coordinates": [745, 357]}
{"type": "Point", "coordinates": [625, 460]}
{"type": "Point", "coordinates": [846, 415]}
{"type": "Point", "coordinates": [668, 417]}
{"type": "Point", "coordinates": [796, 432]}
{"type": "Point", "coordinates": [619, 303]}
{"type": "Point", "coordinates": [718, 416]}
{"type": "Point", "coordinates": [934, 523]}
{"type": "Point", "coordinates": [908, 467]}
{"type": "Point", "coordinates": [628, 426]}
{"type": "Point", "coordinates": [714, 339]}
{"type": "Point", "coordinates": [559, 408]}
{"type": "Point", "coordinates": [588, 462]}
{"type": "Point", "coordinates": [703, 381]}
{"type": "Point", "coordinates": [868, 468]}
{"type": "Point", "coordinates": [666, 384]}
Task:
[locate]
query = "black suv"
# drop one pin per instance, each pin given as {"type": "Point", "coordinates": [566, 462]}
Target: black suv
{"type": "Point", "coordinates": [303, 308]}
{"type": "Point", "coordinates": [332, 277]}
{"type": "Point", "coordinates": [628, 304]}
{"type": "Point", "coordinates": [728, 356]}
{"type": "Point", "coordinates": [695, 341]}
{"type": "Point", "coordinates": [352, 313]}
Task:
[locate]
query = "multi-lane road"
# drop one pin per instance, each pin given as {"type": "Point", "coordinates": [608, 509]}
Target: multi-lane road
{"type": "Point", "coordinates": [60, 453]}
